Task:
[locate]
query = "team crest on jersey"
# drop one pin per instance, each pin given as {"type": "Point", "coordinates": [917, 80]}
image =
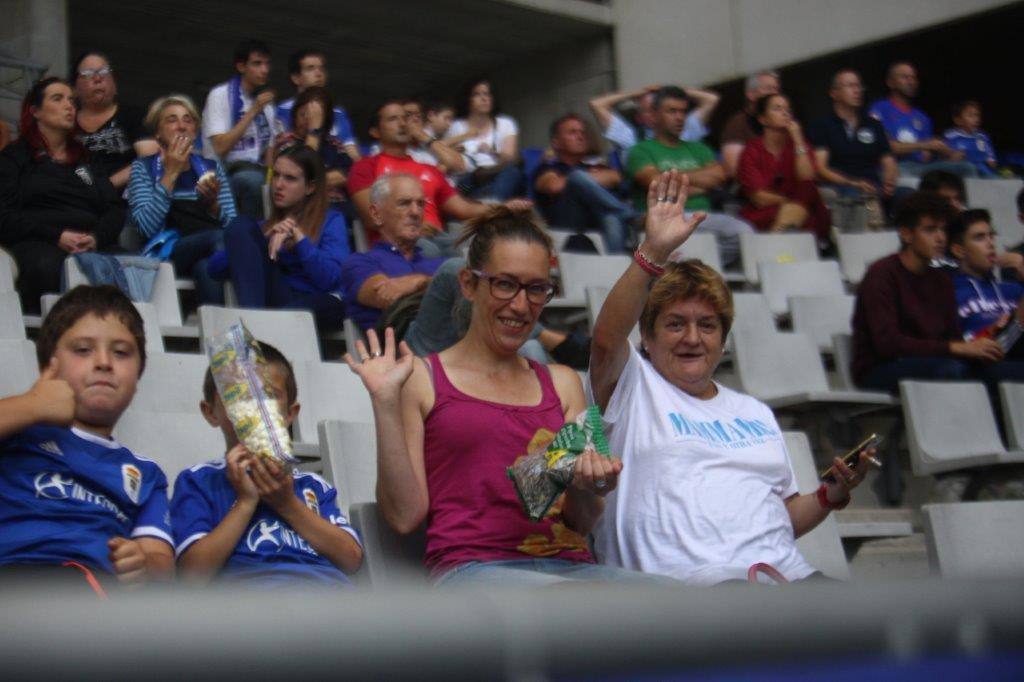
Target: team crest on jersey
{"type": "Point", "coordinates": [131, 479]}
{"type": "Point", "coordinates": [866, 136]}
{"type": "Point", "coordinates": [51, 447]}
{"type": "Point", "coordinates": [83, 173]}
{"type": "Point", "coordinates": [311, 500]}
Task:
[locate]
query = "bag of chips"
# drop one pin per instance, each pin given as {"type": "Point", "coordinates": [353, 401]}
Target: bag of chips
{"type": "Point", "coordinates": [237, 364]}
{"type": "Point", "coordinates": [540, 477]}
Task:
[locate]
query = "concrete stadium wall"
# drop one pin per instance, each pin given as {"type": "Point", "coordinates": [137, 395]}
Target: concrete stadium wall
{"type": "Point", "coordinates": [36, 31]}
{"type": "Point", "coordinates": [708, 41]}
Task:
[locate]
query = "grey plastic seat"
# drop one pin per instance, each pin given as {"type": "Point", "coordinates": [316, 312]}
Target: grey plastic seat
{"type": "Point", "coordinates": [822, 317]}
{"type": "Point", "coordinates": [329, 390]}
{"type": "Point", "coordinates": [774, 248]}
{"type": "Point", "coordinates": [172, 382]}
{"type": "Point", "coordinates": [12, 326]}
{"type": "Point", "coordinates": [579, 271]}
{"type": "Point", "coordinates": [349, 455]}
{"type": "Point", "coordinates": [293, 332]}
{"type": "Point", "coordinates": [174, 440]}
{"type": "Point", "coordinates": [595, 301]}
{"type": "Point", "coordinates": [1012, 397]}
{"type": "Point", "coordinates": [785, 371]}
{"type": "Point", "coordinates": [780, 281]}
{"type": "Point", "coordinates": [857, 251]}
{"type": "Point", "coordinates": [975, 540]}
{"type": "Point", "coordinates": [704, 247]}
{"type": "Point", "coordinates": [164, 300]}
{"type": "Point", "coordinates": [822, 547]}
{"type": "Point", "coordinates": [8, 272]}
{"type": "Point", "coordinates": [999, 196]}
{"type": "Point", "coordinates": [352, 333]}
{"type": "Point", "coordinates": [389, 559]}
{"type": "Point", "coordinates": [950, 426]}
{"type": "Point", "coordinates": [560, 236]}
{"type": "Point", "coordinates": [842, 355]}
{"type": "Point", "coordinates": [20, 367]}
{"type": "Point", "coordinates": [362, 244]}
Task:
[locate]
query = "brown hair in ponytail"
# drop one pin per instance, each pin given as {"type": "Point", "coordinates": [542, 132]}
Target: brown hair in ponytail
{"type": "Point", "coordinates": [501, 223]}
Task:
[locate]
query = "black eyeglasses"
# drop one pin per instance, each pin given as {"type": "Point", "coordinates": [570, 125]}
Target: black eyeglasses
{"type": "Point", "coordinates": [505, 289]}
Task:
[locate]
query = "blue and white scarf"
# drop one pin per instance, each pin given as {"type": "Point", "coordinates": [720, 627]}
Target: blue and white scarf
{"type": "Point", "coordinates": [262, 124]}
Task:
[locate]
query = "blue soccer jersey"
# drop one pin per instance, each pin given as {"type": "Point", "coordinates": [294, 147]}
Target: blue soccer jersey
{"type": "Point", "coordinates": [64, 493]}
{"type": "Point", "coordinates": [269, 551]}
{"type": "Point", "coordinates": [977, 148]}
{"type": "Point", "coordinates": [903, 125]}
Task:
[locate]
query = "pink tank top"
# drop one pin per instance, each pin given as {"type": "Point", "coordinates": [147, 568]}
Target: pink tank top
{"type": "Point", "coordinates": [474, 512]}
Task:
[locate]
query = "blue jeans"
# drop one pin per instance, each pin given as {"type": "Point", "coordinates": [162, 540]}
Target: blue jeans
{"type": "Point", "coordinates": [261, 283]}
{"type": "Point", "coordinates": [247, 185]}
{"type": "Point", "coordinates": [191, 256]}
{"type": "Point", "coordinates": [506, 184]}
{"type": "Point", "coordinates": [585, 204]}
{"type": "Point", "coordinates": [541, 573]}
{"type": "Point", "coordinates": [915, 168]}
{"type": "Point", "coordinates": [443, 316]}
{"type": "Point", "coordinates": [886, 377]}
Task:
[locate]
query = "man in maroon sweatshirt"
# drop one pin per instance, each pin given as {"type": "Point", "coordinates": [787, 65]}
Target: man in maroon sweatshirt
{"type": "Point", "coordinates": [905, 321]}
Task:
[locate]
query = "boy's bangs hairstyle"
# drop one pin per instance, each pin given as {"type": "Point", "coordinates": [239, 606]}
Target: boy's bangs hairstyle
{"type": "Point", "coordinates": [273, 357]}
{"type": "Point", "coordinates": [501, 223]}
{"type": "Point", "coordinates": [83, 300]}
{"type": "Point", "coordinates": [686, 280]}
{"type": "Point", "coordinates": [922, 204]}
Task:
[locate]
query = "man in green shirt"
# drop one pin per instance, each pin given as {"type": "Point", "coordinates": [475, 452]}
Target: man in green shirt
{"type": "Point", "coordinates": [649, 159]}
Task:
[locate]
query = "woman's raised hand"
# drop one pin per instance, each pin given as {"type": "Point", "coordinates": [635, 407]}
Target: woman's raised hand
{"type": "Point", "coordinates": [383, 371]}
{"type": "Point", "coordinates": [177, 153]}
{"type": "Point", "coordinates": [667, 227]}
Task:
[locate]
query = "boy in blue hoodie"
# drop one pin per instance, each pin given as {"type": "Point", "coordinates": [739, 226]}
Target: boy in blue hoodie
{"type": "Point", "coordinates": [984, 305]}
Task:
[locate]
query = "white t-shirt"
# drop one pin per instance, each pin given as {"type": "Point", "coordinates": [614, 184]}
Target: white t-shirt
{"type": "Point", "coordinates": [702, 492]}
{"type": "Point", "coordinates": [217, 121]}
{"type": "Point", "coordinates": [504, 128]}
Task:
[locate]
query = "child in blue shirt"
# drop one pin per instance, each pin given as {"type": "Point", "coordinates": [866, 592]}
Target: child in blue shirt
{"type": "Point", "coordinates": [968, 138]}
{"type": "Point", "coordinates": [983, 303]}
{"type": "Point", "coordinates": [73, 501]}
{"type": "Point", "coordinates": [246, 518]}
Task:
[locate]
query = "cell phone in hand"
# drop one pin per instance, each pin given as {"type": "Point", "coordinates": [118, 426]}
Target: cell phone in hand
{"type": "Point", "coordinates": [852, 458]}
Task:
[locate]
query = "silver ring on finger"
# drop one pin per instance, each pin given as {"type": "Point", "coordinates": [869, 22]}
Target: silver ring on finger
{"type": "Point", "coordinates": [376, 355]}
{"type": "Point", "coordinates": [601, 484]}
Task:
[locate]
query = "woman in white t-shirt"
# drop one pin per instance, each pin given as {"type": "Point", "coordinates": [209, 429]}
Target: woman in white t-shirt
{"type": "Point", "coordinates": [706, 490]}
{"type": "Point", "coordinates": [491, 149]}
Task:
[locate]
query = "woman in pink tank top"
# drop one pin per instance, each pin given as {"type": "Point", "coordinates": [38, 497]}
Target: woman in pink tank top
{"type": "Point", "coordinates": [450, 424]}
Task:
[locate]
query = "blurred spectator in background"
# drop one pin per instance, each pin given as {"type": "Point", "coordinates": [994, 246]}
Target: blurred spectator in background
{"type": "Point", "coordinates": [492, 156]}
{"type": "Point", "coordinates": [624, 134]}
{"type": "Point", "coordinates": [388, 126]}
{"type": "Point", "coordinates": [294, 258]}
{"type": "Point", "coordinates": [239, 125]}
{"type": "Point", "coordinates": [309, 127]}
{"type": "Point", "coordinates": [777, 172]}
{"type": "Point", "coordinates": [738, 129]}
{"type": "Point", "coordinates": [113, 133]}
{"type": "Point", "coordinates": [179, 201]}
{"type": "Point", "coordinates": [947, 185]}
{"type": "Point", "coordinates": [905, 322]}
{"type": "Point", "coordinates": [968, 137]}
{"type": "Point", "coordinates": [5, 134]}
{"type": "Point", "coordinates": [428, 145]}
{"type": "Point", "coordinates": [984, 304]}
{"type": "Point", "coordinates": [308, 69]}
{"type": "Point", "coordinates": [53, 201]}
{"type": "Point", "coordinates": [650, 158]}
{"type": "Point", "coordinates": [852, 151]}
{"type": "Point", "coordinates": [910, 130]}
{"type": "Point", "coordinates": [574, 187]}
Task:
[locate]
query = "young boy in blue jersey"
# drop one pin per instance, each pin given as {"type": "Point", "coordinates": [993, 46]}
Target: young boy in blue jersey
{"type": "Point", "coordinates": [969, 138]}
{"type": "Point", "coordinates": [984, 304]}
{"type": "Point", "coordinates": [74, 502]}
{"type": "Point", "coordinates": [247, 519]}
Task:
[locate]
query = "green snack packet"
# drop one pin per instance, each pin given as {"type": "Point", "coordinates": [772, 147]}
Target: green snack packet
{"type": "Point", "coordinates": [540, 477]}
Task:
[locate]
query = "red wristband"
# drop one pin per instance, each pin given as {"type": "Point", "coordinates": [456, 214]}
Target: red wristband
{"type": "Point", "coordinates": [647, 265]}
{"type": "Point", "coordinates": [824, 501]}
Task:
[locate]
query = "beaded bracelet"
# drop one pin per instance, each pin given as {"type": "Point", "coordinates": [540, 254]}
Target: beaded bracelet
{"type": "Point", "coordinates": [647, 265]}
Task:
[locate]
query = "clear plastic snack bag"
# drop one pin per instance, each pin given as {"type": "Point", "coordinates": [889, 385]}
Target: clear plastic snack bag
{"type": "Point", "coordinates": [541, 476]}
{"type": "Point", "coordinates": [237, 364]}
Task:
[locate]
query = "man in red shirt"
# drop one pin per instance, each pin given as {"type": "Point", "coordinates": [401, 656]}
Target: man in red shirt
{"type": "Point", "coordinates": [390, 128]}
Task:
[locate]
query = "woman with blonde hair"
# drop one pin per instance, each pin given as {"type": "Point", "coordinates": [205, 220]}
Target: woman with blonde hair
{"type": "Point", "coordinates": [180, 201]}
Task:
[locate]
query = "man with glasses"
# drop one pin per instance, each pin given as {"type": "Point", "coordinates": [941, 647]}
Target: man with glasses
{"type": "Point", "coordinates": [395, 269]}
